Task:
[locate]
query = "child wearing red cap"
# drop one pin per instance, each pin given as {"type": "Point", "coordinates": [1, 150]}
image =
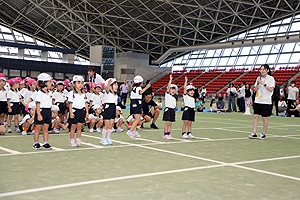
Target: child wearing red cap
{"type": "Point", "coordinates": [3, 98]}
{"type": "Point", "coordinates": [13, 103]}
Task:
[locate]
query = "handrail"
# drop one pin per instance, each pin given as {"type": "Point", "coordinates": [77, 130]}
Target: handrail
{"type": "Point", "coordinates": [159, 74]}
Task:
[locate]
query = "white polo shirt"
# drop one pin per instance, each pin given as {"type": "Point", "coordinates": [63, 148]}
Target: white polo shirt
{"type": "Point", "coordinates": [110, 98]}
{"type": "Point", "coordinates": [188, 101]}
{"type": "Point", "coordinates": [170, 101]}
{"type": "Point", "coordinates": [264, 96]}
{"type": "Point", "coordinates": [59, 97]}
{"type": "Point", "coordinates": [242, 91]}
{"type": "Point", "coordinates": [135, 93]}
{"type": "Point", "coordinates": [13, 96]}
{"type": "Point", "coordinates": [44, 99]}
{"type": "Point", "coordinates": [26, 94]}
{"type": "Point", "coordinates": [77, 100]}
{"type": "Point", "coordinates": [97, 98]}
{"type": "Point", "coordinates": [117, 119]}
{"type": "Point", "coordinates": [3, 95]}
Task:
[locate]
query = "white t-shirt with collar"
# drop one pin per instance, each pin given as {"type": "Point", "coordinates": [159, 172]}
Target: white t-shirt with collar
{"type": "Point", "coordinates": [170, 101]}
{"type": "Point", "coordinates": [3, 95]}
{"type": "Point", "coordinates": [188, 101]}
{"type": "Point", "coordinates": [13, 96]}
{"type": "Point", "coordinates": [110, 98]}
{"type": "Point", "coordinates": [44, 99]}
{"type": "Point", "coordinates": [77, 100]}
{"type": "Point", "coordinates": [264, 96]}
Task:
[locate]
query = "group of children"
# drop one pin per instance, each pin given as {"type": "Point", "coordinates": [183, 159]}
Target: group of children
{"type": "Point", "coordinates": [45, 105]}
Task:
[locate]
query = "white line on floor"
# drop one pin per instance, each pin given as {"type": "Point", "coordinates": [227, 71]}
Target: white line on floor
{"type": "Point", "coordinates": [9, 150]}
{"type": "Point", "coordinates": [92, 145]}
{"type": "Point", "coordinates": [57, 149]}
{"type": "Point", "coordinates": [149, 140]}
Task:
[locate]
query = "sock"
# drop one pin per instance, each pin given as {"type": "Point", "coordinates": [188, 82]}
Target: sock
{"type": "Point", "coordinates": [45, 142]}
{"type": "Point", "coordinates": [189, 133]}
{"type": "Point", "coordinates": [36, 142]}
{"type": "Point", "coordinates": [25, 129]}
{"type": "Point", "coordinates": [8, 126]}
{"type": "Point", "coordinates": [71, 140]}
{"type": "Point", "coordinates": [168, 133]}
{"type": "Point", "coordinates": [77, 138]}
{"type": "Point", "coordinates": [109, 133]}
{"type": "Point", "coordinates": [165, 133]}
{"type": "Point", "coordinates": [104, 134]}
{"type": "Point", "coordinates": [16, 127]}
{"type": "Point", "coordinates": [54, 128]}
{"type": "Point", "coordinates": [91, 128]}
{"type": "Point", "coordinates": [183, 133]}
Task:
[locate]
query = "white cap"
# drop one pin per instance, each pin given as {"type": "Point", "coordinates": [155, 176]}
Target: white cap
{"type": "Point", "coordinates": [96, 106]}
{"type": "Point", "coordinates": [31, 105]}
{"type": "Point", "coordinates": [60, 82]}
{"type": "Point", "coordinates": [173, 86]}
{"type": "Point", "coordinates": [119, 108]}
{"type": "Point", "coordinates": [138, 79]}
{"type": "Point", "coordinates": [54, 108]}
{"type": "Point", "coordinates": [44, 77]}
{"type": "Point", "coordinates": [112, 80]}
{"type": "Point", "coordinates": [190, 87]}
{"type": "Point", "coordinates": [77, 78]}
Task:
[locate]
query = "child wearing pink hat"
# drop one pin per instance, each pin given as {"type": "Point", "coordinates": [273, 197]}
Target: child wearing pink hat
{"type": "Point", "coordinates": [3, 98]}
{"type": "Point", "coordinates": [13, 103]}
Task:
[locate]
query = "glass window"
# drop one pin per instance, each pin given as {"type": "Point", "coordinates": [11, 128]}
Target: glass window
{"type": "Point", "coordinates": [226, 52]}
{"type": "Point", "coordinates": [276, 48]}
{"type": "Point", "coordinates": [14, 72]}
{"type": "Point", "coordinates": [245, 50]}
{"type": "Point", "coordinates": [295, 58]}
{"type": "Point", "coordinates": [214, 62]}
{"type": "Point", "coordinates": [223, 61]}
{"type": "Point", "coordinates": [231, 60]}
{"type": "Point", "coordinates": [250, 60]}
{"type": "Point", "coordinates": [261, 59]}
{"type": "Point", "coordinates": [265, 49]}
{"type": "Point", "coordinates": [5, 72]}
{"type": "Point", "coordinates": [241, 60]}
{"type": "Point", "coordinates": [24, 73]}
{"type": "Point", "coordinates": [272, 59]}
{"type": "Point", "coordinates": [288, 47]}
{"type": "Point", "coordinates": [59, 76]}
{"type": "Point", "coordinates": [284, 58]}
{"type": "Point", "coordinates": [70, 76]}
{"type": "Point", "coordinates": [210, 53]}
{"type": "Point", "coordinates": [34, 74]}
{"type": "Point", "coordinates": [207, 62]}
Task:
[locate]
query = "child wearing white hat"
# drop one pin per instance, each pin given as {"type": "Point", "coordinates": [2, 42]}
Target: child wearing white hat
{"type": "Point", "coordinates": [27, 123]}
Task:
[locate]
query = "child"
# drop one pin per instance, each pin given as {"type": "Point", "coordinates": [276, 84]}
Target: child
{"type": "Point", "coordinates": [213, 106]}
{"type": "Point", "coordinates": [109, 115]}
{"type": "Point", "coordinates": [130, 120]}
{"type": "Point", "coordinates": [13, 103]}
{"type": "Point", "coordinates": [188, 115]}
{"type": "Point", "coordinates": [78, 108]}
{"type": "Point", "coordinates": [159, 103]}
{"type": "Point", "coordinates": [59, 99]}
{"type": "Point", "coordinates": [27, 123]}
{"type": "Point", "coordinates": [97, 97]}
{"type": "Point", "coordinates": [3, 98]}
{"type": "Point", "coordinates": [42, 119]}
{"type": "Point", "coordinates": [119, 120]}
{"type": "Point", "coordinates": [199, 105]}
{"type": "Point", "coordinates": [169, 112]}
{"type": "Point", "coordinates": [136, 103]}
{"type": "Point", "coordinates": [96, 117]}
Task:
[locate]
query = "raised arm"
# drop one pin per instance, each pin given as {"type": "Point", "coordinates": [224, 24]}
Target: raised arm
{"type": "Point", "coordinates": [185, 84]}
{"type": "Point", "coordinates": [145, 88]}
{"type": "Point", "coordinates": [169, 84]}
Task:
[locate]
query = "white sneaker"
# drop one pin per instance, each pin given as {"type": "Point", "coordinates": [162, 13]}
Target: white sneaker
{"type": "Point", "coordinates": [98, 130]}
{"type": "Point", "coordinates": [119, 130]}
{"type": "Point", "coordinates": [130, 134]}
{"type": "Point", "coordinates": [17, 130]}
{"type": "Point", "coordinates": [191, 136]}
{"type": "Point", "coordinates": [78, 142]}
{"type": "Point", "coordinates": [5, 123]}
{"type": "Point", "coordinates": [24, 133]}
{"type": "Point", "coordinates": [91, 130]}
{"type": "Point", "coordinates": [8, 130]}
{"type": "Point", "coordinates": [104, 142]}
{"type": "Point", "coordinates": [55, 131]}
{"type": "Point", "coordinates": [32, 132]}
{"type": "Point", "coordinates": [113, 130]}
{"type": "Point", "coordinates": [135, 134]}
{"type": "Point", "coordinates": [72, 144]}
{"type": "Point", "coordinates": [184, 136]}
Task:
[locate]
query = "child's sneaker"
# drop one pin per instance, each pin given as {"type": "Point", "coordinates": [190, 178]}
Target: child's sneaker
{"type": "Point", "coordinates": [37, 146]}
{"type": "Point", "coordinates": [135, 134]}
{"type": "Point", "coordinates": [5, 123]}
{"type": "Point", "coordinates": [170, 137]}
{"type": "Point", "coordinates": [91, 130]}
{"type": "Point", "coordinates": [253, 136]}
{"type": "Point", "coordinates": [185, 136]}
{"type": "Point", "coordinates": [8, 130]}
{"type": "Point", "coordinates": [108, 140]}
{"type": "Point", "coordinates": [119, 130]}
{"type": "Point", "coordinates": [47, 146]}
{"type": "Point", "coordinates": [32, 132]}
{"type": "Point", "coordinates": [72, 144]}
{"type": "Point", "coordinates": [98, 130]}
{"type": "Point", "coordinates": [82, 130]}
{"type": "Point", "coordinates": [130, 134]}
{"type": "Point", "coordinates": [78, 142]}
{"type": "Point", "coordinates": [103, 142]}
{"type": "Point", "coordinates": [166, 137]}
{"type": "Point", "coordinates": [17, 130]}
{"type": "Point", "coordinates": [24, 133]}
{"type": "Point", "coordinates": [191, 136]}
{"type": "Point", "coordinates": [138, 129]}
{"type": "Point", "coordinates": [113, 130]}
{"type": "Point", "coordinates": [262, 136]}
{"type": "Point", "coordinates": [55, 131]}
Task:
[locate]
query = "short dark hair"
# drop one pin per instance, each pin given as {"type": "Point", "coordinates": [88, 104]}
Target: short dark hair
{"type": "Point", "coordinates": [220, 98]}
{"type": "Point", "coordinates": [159, 98]}
{"type": "Point", "coordinates": [42, 84]}
{"type": "Point", "coordinates": [91, 69]}
{"type": "Point", "coordinates": [66, 77]}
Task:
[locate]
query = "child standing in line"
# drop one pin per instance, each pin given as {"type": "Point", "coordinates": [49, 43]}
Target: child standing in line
{"type": "Point", "coordinates": [3, 98]}
{"type": "Point", "coordinates": [188, 115]}
{"type": "Point", "coordinates": [109, 114]}
{"type": "Point", "coordinates": [59, 99]}
{"type": "Point", "coordinates": [42, 119]}
{"type": "Point", "coordinates": [136, 104]}
{"type": "Point", "coordinates": [13, 104]}
{"type": "Point", "coordinates": [169, 112]}
{"type": "Point", "coordinates": [27, 123]}
{"type": "Point", "coordinates": [78, 108]}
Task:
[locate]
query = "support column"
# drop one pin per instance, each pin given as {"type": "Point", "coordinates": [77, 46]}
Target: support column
{"type": "Point", "coordinates": [44, 56]}
{"type": "Point", "coordinates": [21, 53]}
{"type": "Point", "coordinates": [68, 58]}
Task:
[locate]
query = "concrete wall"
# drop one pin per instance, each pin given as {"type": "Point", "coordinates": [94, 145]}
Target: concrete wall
{"type": "Point", "coordinates": [136, 64]}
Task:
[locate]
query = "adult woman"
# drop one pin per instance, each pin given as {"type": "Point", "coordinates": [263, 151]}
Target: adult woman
{"type": "Point", "coordinates": [231, 91]}
{"type": "Point", "coordinates": [265, 84]}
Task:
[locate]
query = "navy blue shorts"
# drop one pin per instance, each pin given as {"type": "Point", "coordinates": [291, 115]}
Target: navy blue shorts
{"type": "Point", "coordinates": [188, 114]}
{"type": "Point", "coordinates": [109, 111]}
{"type": "Point", "coordinates": [16, 109]}
{"type": "Point", "coordinates": [46, 114]}
{"type": "Point", "coordinates": [135, 106]}
{"type": "Point", "coordinates": [3, 107]}
{"type": "Point", "coordinates": [169, 115]}
{"type": "Point", "coordinates": [79, 117]}
{"type": "Point", "coordinates": [265, 110]}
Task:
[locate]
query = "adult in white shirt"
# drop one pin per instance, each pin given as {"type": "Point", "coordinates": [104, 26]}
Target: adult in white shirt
{"type": "Point", "coordinates": [124, 89]}
{"type": "Point", "coordinates": [203, 94]}
{"type": "Point", "coordinates": [94, 77]}
{"type": "Point", "coordinates": [265, 84]}
{"type": "Point", "coordinates": [242, 97]}
{"type": "Point", "coordinates": [231, 91]}
{"type": "Point", "coordinates": [293, 93]}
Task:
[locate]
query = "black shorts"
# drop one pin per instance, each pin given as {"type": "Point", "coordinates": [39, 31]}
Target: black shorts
{"type": "Point", "coordinates": [188, 114]}
{"type": "Point", "coordinates": [46, 114]}
{"type": "Point", "coordinates": [109, 111]}
{"type": "Point", "coordinates": [79, 117]}
{"type": "Point", "coordinates": [16, 109]}
{"type": "Point", "coordinates": [3, 107]}
{"type": "Point", "coordinates": [62, 108]}
{"type": "Point", "coordinates": [169, 115]}
{"type": "Point", "coordinates": [135, 106]}
{"type": "Point", "coordinates": [22, 109]}
{"type": "Point", "coordinates": [148, 114]}
{"type": "Point", "coordinates": [265, 110]}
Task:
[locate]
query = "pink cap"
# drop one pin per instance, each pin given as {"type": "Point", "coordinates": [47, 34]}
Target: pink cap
{"type": "Point", "coordinates": [31, 81]}
{"type": "Point", "coordinates": [27, 79]}
{"type": "Point", "coordinates": [92, 85]}
{"type": "Point", "coordinates": [13, 81]}
{"type": "Point", "coordinates": [2, 77]}
{"type": "Point", "coordinates": [66, 83]}
{"type": "Point", "coordinates": [19, 79]}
